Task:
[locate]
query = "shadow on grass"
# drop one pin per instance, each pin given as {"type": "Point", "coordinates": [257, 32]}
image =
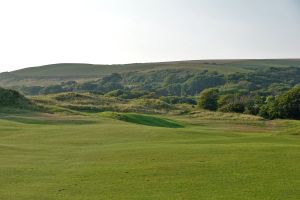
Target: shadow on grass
{"type": "Point", "coordinates": [147, 120]}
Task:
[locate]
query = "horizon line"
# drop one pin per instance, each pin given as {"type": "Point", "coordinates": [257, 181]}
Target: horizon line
{"type": "Point", "coordinates": [153, 62]}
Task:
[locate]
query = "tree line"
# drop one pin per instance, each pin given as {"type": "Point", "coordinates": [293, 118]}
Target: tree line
{"type": "Point", "coordinates": [285, 106]}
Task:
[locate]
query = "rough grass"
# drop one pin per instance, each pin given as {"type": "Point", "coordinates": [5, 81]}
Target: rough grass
{"type": "Point", "coordinates": [289, 127]}
{"type": "Point", "coordinates": [89, 102]}
{"type": "Point", "coordinates": [209, 115]}
{"type": "Point", "coordinates": [60, 158]}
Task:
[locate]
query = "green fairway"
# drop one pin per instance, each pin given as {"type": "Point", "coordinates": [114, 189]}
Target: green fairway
{"type": "Point", "coordinates": [94, 157]}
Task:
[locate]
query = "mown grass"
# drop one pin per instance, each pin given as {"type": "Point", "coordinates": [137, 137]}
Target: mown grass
{"type": "Point", "coordinates": [143, 119]}
{"type": "Point", "coordinates": [111, 159]}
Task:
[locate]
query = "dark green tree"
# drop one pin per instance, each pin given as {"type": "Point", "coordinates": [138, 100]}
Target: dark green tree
{"type": "Point", "coordinates": [231, 103]}
{"type": "Point", "coordinates": [13, 98]}
{"type": "Point", "coordinates": [208, 99]}
{"type": "Point", "coordinates": [289, 104]}
{"type": "Point", "coordinates": [270, 109]}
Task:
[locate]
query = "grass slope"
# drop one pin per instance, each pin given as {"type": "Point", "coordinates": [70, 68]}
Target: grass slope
{"type": "Point", "coordinates": [56, 157]}
{"type": "Point", "coordinates": [147, 120]}
{"type": "Point", "coordinates": [56, 73]}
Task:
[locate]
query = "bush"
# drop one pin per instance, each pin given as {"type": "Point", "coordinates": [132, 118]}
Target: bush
{"type": "Point", "coordinates": [270, 109]}
{"type": "Point", "coordinates": [289, 104]}
{"type": "Point", "coordinates": [248, 104]}
{"type": "Point", "coordinates": [208, 99]}
{"type": "Point", "coordinates": [286, 106]}
{"type": "Point", "coordinates": [12, 98]}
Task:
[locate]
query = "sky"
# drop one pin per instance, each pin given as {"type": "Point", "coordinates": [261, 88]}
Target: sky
{"type": "Point", "coordinates": [39, 32]}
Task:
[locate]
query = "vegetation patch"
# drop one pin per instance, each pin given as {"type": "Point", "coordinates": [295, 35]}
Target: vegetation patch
{"type": "Point", "coordinates": [289, 127]}
{"type": "Point", "coordinates": [71, 96]}
{"type": "Point", "coordinates": [12, 98]}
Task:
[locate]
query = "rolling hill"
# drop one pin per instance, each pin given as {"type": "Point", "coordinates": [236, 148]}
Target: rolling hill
{"type": "Point", "coordinates": [57, 73]}
{"type": "Point", "coordinates": [89, 145]}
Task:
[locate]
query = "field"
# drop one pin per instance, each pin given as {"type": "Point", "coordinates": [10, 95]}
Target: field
{"type": "Point", "coordinates": [132, 156]}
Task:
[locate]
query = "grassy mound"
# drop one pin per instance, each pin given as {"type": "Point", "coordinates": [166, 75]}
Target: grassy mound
{"type": "Point", "coordinates": [72, 96]}
{"type": "Point", "coordinates": [147, 120]}
{"type": "Point", "coordinates": [91, 102]}
{"type": "Point", "coordinates": [12, 98]}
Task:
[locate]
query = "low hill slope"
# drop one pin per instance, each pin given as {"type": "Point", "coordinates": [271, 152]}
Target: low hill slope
{"type": "Point", "coordinates": [56, 73]}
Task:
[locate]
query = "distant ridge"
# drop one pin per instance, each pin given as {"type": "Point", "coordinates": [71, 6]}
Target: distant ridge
{"type": "Point", "coordinates": [56, 73]}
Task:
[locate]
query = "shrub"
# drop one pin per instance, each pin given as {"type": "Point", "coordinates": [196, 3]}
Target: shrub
{"type": "Point", "coordinates": [286, 106]}
{"type": "Point", "coordinates": [289, 104]}
{"type": "Point", "coordinates": [208, 99]}
{"type": "Point", "coordinates": [13, 98]}
{"type": "Point", "coordinates": [270, 109]}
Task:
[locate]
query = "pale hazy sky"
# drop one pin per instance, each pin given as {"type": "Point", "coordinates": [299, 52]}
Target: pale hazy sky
{"type": "Point", "coordinates": [37, 32]}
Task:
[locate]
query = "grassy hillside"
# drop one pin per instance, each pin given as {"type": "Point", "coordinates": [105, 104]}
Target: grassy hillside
{"type": "Point", "coordinates": [90, 156]}
{"type": "Point", "coordinates": [53, 74]}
